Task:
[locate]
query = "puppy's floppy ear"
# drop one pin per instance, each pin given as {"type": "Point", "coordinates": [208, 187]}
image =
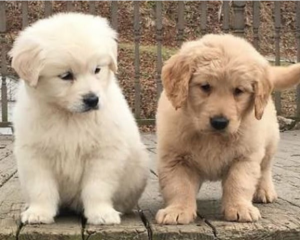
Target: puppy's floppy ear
{"type": "Point", "coordinates": [27, 60]}
{"type": "Point", "coordinates": [176, 75]}
{"type": "Point", "coordinates": [262, 91]}
{"type": "Point", "coordinates": [113, 64]}
{"type": "Point", "coordinates": [113, 55]}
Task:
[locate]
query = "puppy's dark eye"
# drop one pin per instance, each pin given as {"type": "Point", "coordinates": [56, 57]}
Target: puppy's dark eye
{"type": "Point", "coordinates": [97, 70]}
{"type": "Point", "coordinates": [206, 88]}
{"type": "Point", "coordinates": [68, 76]}
{"type": "Point", "coordinates": [238, 91]}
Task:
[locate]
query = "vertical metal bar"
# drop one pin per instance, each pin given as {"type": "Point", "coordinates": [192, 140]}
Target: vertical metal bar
{"type": "Point", "coordinates": [4, 100]}
{"type": "Point", "coordinates": [3, 83]}
{"type": "Point", "coordinates": [256, 21]}
{"type": "Point", "coordinates": [239, 17]}
{"type": "Point", "coordinates": [114, 14]}
{"type": "Point", "coordinates": [137, 86]}
{"type": "Point", "coordinates": [92, 7]}
{"type": "Point", "coordinates": [203, 16]}
{"type": "Point", "coordinates": [2, 16]}
{"type": "Point", "coordinates": [277, 50]}
{"type": "Point", "coordinates": [3, 63]}
{"type": "Point", "coordinates": [24, 14]}
{"type": "Point", "coordinates": [69, 6]}
{"type": "Point", "coordinates": [180, 23]}
{"type": "Point", "coordinates": [159, 32]}
{"type": "Point", "coordinates": [226, 13]}
{"type": "Point", "coordinates": [298, 53]}
{"type": "Point", "coordinates": [48, 8]}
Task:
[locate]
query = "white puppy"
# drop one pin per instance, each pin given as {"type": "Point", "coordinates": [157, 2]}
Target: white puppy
{"type": "Point", "coordinates": [76, 140]}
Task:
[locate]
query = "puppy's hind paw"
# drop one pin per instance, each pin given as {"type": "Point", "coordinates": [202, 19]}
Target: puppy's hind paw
{"type": "Point", "coordinates": [104, 216]}
{"type": "Point", "coordinates": [37, 215]}
{"type": "Point", "coordinates": [267, 195]}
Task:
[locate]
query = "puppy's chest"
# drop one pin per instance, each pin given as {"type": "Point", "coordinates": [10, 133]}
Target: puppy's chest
{"type": "Point", "coordinates": [73, 142]}
{"type": "Point", "coordinates": [68, 154]}
{"type": "Point", "coordinates": [66, 146]}
{"type": "Point", "coordinates": [213, 158]}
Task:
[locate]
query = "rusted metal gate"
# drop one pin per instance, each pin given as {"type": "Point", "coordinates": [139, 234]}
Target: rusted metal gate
{"type": "Point", "coordinates": [233, 20]}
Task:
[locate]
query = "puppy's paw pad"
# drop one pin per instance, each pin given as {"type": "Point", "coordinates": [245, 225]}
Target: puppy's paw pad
{"type": "Point", "coordinates": [265, 195]}
{"type": "Point", "coordinates": [37, 216]}
{"type": "Point", "coordinates": [104, 216]}
{"type": "Point", "coordinates": [241, 213]}
{"type": "Point", "coordinates": [175, 215]}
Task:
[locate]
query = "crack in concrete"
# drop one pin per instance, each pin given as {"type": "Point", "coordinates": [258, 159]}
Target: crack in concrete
{"type": "Point", "coordinates": [293, 204]}
{"type": "Point", "coordinates": [20, 226]}
{"type": "Point", "coordinates": [10, 177]}
{"type": "Point", "coordinates": [83, 225]}
{"type": "Point", "coordinates": [146, 223]}
{"type": "Point", "coordinates": [154, 173]}
{"type": "Point", "coordinates": [210, 225]}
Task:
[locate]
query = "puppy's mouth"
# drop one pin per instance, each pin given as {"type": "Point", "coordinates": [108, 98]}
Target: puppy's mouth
{"type": "Point", "coordinates": [215, 132]}
{"type": "Point", "coordinates": [224, 133]}
{"type": "Point", "coordinates": [84, 109]}
{"type": "Point", "coordinates": [89, 109]}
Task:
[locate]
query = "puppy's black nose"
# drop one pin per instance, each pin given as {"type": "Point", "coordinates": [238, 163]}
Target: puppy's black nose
{"type": "Point", "coordinates": [219, 123]}
{"type": "Point", "coordinates": [91, 100]}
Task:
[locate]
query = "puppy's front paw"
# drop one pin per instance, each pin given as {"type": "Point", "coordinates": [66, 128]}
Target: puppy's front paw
{"type": "Point", "coordinates": [265, 195]}
{"type": "Point", "coordinates": [104, 215]}
{"type": "Point", "coordinates": [241, 213]}
{"type": "Point", "coordinates": [34, 215]}
{"type": "Point", "coordinates": [175, 215]}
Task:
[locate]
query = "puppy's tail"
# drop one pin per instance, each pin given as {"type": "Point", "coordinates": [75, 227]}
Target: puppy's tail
{"type": "Point", "coordinates": [285, 77]}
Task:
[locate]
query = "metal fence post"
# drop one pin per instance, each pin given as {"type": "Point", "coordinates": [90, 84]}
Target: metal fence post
{"type": "Point", "coordinates": [114, 14]}
{"type": "Point", "coordinates": [4, 102]}
{"type": "Point", "coordinates": [48, 8]}
{"type": "Point", "coordinates": [298, 52]}
{"type": "Point", "coordinates": [203, 17]}
{"type": "Point", "coordinates": [226, 16]}
{"type": "Point", "coordinates": [92, 7]}
{"type": "Point", "coordinates": [24, 14]}
{"type": "Point", "coordinates": [137, 85]}
{"type": "Point", "coordinates": [277, 13]}
{"type": "Point", "coordinates": [180, 23]}
{"type": "Point", "coordinates": [159, 37]}
{"type": "Point", "coordinates": [256, 22]}
{"type": "Point", "coordinates": [69, 6]}
{"type": "Point", "coordinates": [2, 17]}
{"type": "Point", "coordinates": [239, 17]}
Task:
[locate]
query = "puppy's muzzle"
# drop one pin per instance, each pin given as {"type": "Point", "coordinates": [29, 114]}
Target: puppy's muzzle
{"type": "Point", "coordinates": [91, 101]}
{"type": "Point", "coordinates": [219, 122]}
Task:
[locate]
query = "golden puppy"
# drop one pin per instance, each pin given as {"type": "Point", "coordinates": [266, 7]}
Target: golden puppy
{"type": "Point", "coordinates": [216, 121]}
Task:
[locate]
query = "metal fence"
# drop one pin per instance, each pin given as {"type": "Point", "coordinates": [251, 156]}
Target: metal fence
{"type": "Point", "coordinates": [231, 16]}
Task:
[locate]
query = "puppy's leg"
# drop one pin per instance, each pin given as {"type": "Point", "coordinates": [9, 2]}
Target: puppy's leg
{"type": "Point", "coordinates": [133, 181]}
{"type": "Point", "coordinates": [179, 184]}
{"type": "Point", "coordinates": [101, 180]}
{"type": "Point", "coordinates": [265, 191]}
{"type": "Point", "coordinates": [40, 188]}
{"type": "Point", "coordinates": [238, 188]}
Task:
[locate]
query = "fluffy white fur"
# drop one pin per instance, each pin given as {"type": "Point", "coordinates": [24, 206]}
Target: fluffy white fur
{"type": "Point", "coordinates": [66, 156]}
